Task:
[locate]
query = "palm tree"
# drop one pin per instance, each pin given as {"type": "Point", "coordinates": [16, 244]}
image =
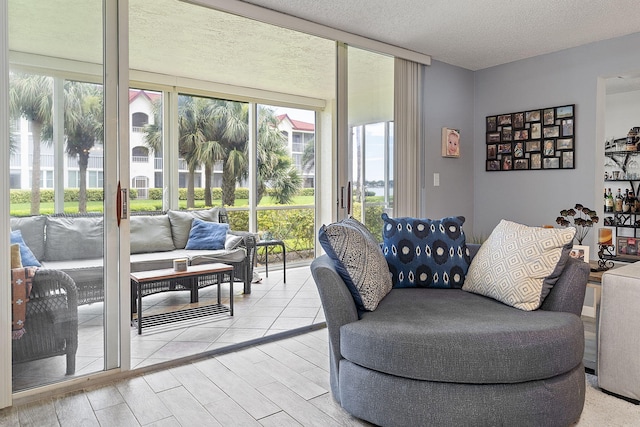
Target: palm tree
{"type": "Point", "coordinates": [194, 119]}
{"type": "Point", "coordinates": [274, 162]}
{"type": "Point", "coordinates": [194, 128]}
{"type": "Point", "coordinates": [309, 155]}
{"type": "Point", "coordinates": [212, 130]}
{"type": "Point", "coordinates": [31, 97]}
{"type": "Point", "coordinates": [84, 120]}
{"type": "Point", "coordinates": [231, 131]}
{"type": "Point", "coordinates": [13, 144]}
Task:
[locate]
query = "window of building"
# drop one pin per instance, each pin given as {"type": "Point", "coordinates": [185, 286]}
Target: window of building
{"type": "Point", "coordinates": [95, 179]}
{"type": "Point", "coordinates": [140, 155]}
{"type": "Point", "coordinates": [138, 121]}
{"type": "Point", "coordinates": [73, 179]}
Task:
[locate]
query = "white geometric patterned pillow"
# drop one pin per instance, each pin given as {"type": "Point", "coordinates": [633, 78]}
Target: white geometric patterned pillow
{"type": "Point", "coordinates": [359, 262]}
{"type": "Point", "coordinates": [518, 264]}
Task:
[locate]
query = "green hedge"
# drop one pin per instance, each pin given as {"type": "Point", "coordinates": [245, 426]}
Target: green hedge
{"type": "Point", "coordinates": [216, 193]}
{"type": "Point", "coordinates": [70, 195]}
{"type": "Point", "coordinates": [296, 226]}
{"type": "Point", "coordinates": [95, 194]}
{"type": "Point", "coordinates": [373, 218]}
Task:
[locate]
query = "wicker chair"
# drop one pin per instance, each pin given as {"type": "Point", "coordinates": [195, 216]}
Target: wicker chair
{"type": "Point", "coordinates": [51, 320]}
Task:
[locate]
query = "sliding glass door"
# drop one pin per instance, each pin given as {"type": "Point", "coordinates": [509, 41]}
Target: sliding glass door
{"type": "Point", "coordinates": [61, 179]}
{"type": "Point", "coordinates": [370, 107]}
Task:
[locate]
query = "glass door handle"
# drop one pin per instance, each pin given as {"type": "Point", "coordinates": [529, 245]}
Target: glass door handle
{"type": "Point", "coordinates": [122, 205]}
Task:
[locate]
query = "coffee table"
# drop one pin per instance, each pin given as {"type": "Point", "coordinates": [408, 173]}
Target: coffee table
{"type": "Point", "coordinates": [153, 281]}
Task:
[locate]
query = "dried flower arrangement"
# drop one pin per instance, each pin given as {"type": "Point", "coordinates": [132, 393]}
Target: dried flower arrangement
{"type": "Point", "coordinates": [583, 220]}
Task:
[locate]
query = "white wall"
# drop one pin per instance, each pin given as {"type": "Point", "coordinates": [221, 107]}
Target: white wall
{"type": "Point", "coordinates": [567, 77]}
{"type": "Point", "coordinates": [448, 101]}
{"type": "Point", "coordinates": [622, 113]}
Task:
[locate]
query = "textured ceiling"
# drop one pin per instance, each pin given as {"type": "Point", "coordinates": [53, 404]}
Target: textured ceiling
{"type": "Point", "coordinates": [472, 34]}
{"type": "Point", "coordinates": [179, 39]}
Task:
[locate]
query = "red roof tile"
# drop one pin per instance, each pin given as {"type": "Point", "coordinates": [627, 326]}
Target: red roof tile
{"type": "Point", "coordinates": [297, 124]}
{"type": "Point", "coordinates": [134, 93]}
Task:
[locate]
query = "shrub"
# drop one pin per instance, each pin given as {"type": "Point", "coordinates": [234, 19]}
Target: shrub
{"type": "Point", "coordinates": [373, 218]}
{"type": "Point", "coordinates": [70, 195]}
{"type": "Point", "coordinates": [155, 193]}
{"type": "Point", "coordinates": [307, 192]}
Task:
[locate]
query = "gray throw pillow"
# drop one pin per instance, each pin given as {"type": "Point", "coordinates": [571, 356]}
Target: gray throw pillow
{"type": "Point", "coordinates": [181, 223]}
{"type": "Point", "coordinates": [180, 227]}
{"type": "Point", "coordinates": [151, 233]}
{"type": "Point", "coordinates": [209, 215]}
{"type": "Point", "coordinates": [69, 238]}
{"type": "Point", "coordinates": [232, 242]}
{"type": "Point", "coordinates": [32, 229]}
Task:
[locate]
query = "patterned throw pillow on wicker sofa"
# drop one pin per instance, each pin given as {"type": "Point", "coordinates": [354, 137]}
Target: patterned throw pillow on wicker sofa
{"type": "Point", "coordinates": [518, 264]}
{"type": "Point", "coordinates": [425, 253]}
{"type": "Point", "coordinates": [358, 260]}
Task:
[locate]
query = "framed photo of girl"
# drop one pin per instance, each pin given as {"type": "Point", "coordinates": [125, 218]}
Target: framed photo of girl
{"type": "Point", "coordinates": [450, 142]}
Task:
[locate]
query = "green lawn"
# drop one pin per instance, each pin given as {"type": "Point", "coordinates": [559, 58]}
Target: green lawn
{"type": "Point", "coordinates": [23, 209]}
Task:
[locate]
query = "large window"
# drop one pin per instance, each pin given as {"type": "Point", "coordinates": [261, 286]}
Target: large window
{"type": "Point", "coordinates": [371, 135]}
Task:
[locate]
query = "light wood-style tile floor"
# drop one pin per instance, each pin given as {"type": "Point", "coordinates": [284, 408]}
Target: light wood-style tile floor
{"type": "Point", "coordinates": [273, 307]}
{"type": "Point", "coordinates": [282, 383]}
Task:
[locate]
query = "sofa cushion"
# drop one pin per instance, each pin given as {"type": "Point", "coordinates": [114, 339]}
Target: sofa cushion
{"type": "Point", "coordinates": [207, 235]}
{"type": "Point", "coordinates": [449, 335]}
{"type": "Point", "coordinates": [359, 261]}
{"type": "Point", "coordinates": [518, 264]}
{"type": "Point", "coordinates": [151, 233]}
{"type": "Point", "coordinates": [209, 215]}
{"type": "Point", "coordinates": [425, 253]}
{"type": "Point", "coordinates": [26, 256]}
{"type": "Point", "coordinates": [181, 223]}
{"type": "Point", "coordinates": [232, 241]}
{"type": "Point", "coordinates": [180, 227]}
{"type": "Point", "coordinates": [82, 271]}
{"type": "Point", "coordinates": [70, 238]}
{"type": "Point", "coordinates": [32, 228]}
{"type": "Point", "coordinates": [160, 260]}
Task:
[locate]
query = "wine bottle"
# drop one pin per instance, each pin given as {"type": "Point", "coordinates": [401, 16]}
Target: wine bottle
{"type": "Point", "coordinates": [625, 202]}
{"type": "Point", "coordinates": [618, 202]}
{"type": "Point", "coordinates": [609, 201]}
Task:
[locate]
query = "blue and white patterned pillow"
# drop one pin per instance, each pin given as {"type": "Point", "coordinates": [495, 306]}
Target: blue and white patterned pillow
{"type": "Point", "coordinates": [425, 253]}
{"type": "Point", "coordinates": [359, 262]}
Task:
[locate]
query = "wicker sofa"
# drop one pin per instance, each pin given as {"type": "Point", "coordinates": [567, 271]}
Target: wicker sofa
{"type": "Point", "coordinates": [51, 320]}
{"type": "Point", "coordinates": [74, 244]}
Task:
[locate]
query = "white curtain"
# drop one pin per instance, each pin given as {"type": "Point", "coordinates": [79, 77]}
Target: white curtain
{"type": "Point", "coordinates": [408, 156]}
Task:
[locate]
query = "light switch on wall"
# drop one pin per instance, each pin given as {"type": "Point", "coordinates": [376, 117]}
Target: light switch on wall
{"type": "Point", "coordinates": [436, 179]}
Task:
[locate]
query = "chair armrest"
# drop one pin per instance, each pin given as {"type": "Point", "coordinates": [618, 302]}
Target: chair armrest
{"type": "Point", "coordinates": [54, 292]}
{"type": "Point", "coordinates": [568, 292]}
{"type": "Point", "coordinates": [339, 309]}
{"type": "Point", "coordinates": [249, 243]}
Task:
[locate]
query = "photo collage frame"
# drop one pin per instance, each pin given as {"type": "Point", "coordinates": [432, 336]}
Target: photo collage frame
{"type": "Point", "coordinates": [531, 140]}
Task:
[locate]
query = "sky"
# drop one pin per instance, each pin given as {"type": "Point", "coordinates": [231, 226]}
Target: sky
{"type": "Point", "coordinates": [374, 145]}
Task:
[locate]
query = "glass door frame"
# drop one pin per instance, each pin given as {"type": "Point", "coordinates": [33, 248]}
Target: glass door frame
{"type": "Point", "coordinates": [5, 293]}
{"type": "Point", "coordinates": [115, 79]}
